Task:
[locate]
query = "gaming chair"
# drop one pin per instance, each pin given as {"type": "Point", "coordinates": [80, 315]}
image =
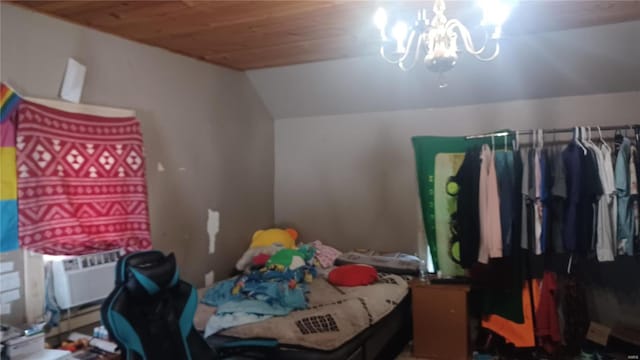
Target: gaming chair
{"type": "Point", "coordinates": [150, 312]}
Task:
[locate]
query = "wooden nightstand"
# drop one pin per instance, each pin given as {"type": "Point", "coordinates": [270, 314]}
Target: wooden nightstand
{"type": "Point", "coordinates": [440, 321]}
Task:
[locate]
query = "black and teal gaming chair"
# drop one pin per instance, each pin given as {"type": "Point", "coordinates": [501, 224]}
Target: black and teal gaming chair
{"type": "Point", "coordinates": [150, 313]}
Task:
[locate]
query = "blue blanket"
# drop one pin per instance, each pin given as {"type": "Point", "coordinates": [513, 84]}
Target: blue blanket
{"type": "Point", "coordinates": [261, 292]}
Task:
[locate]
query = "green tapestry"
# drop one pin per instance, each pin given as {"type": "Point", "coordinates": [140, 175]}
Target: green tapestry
{"type": "Point", "coordinates": [437, 159]}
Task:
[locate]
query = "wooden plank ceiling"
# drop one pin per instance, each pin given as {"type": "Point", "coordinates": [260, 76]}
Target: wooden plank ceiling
{"type": "Point", "coordinates": [256, 34]}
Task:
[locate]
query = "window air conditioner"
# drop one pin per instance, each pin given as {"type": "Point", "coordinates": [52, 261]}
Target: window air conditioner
{"type": "Point", "coordinates": [84, 279]}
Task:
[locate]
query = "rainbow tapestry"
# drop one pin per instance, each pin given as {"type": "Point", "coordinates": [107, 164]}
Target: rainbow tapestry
{"type": "Point", "coordinates": [9, 101]}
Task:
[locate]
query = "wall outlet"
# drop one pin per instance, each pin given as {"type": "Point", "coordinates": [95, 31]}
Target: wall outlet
{"type": "Point", "coordinates": [208, 279]}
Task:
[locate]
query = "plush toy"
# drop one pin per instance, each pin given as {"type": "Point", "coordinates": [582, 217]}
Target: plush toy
{"type": "Point", "coordinates": [291, 259]}
{"type": "Point", "coordinates": [287, 238]}
{"type": "Point", "coordinates": [267, 242]}
{"type": "Point", "coordinates": [245, 261]}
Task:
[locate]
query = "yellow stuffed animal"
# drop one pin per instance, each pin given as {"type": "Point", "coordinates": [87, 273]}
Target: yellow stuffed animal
{"type": "Point", "coordinates": [262, 238]}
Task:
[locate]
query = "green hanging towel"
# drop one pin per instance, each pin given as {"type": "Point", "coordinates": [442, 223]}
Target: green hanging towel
{"type": "Point", "coordinates": [437, 159]}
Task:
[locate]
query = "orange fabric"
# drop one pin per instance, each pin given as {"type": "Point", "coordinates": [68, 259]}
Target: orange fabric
{"type": "Point", "coordinates": [521, 335]}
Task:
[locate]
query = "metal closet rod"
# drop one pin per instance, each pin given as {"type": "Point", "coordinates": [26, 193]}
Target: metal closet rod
{"type": "Point", "coordinates": [552, 131]}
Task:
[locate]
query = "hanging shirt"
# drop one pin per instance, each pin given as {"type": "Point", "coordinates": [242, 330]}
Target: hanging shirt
{"type": "Point", "coordinates": [517, 203]}
{"type": "Point", "coordinates": [505, 175]}
{"type": "Point", "coordinates": [559, 195]}
{"type": "Point", "coordinates": [607, 154]}
{"type": "Point", "coordinates": [468, 223]}
{"type": "Point", "coordinates": [545, 198]}
{"type": "Point", "coordinates": [636, 246]}
{"type": "Point", "coordinates": [572, 159]}
{"type": "Point", "coordinates": [524, 232]}
{"type": "Point", "coordinates": [633, 193]}
{"type": "Point", "coordinates": [606, 231]}
{"type": "Point", "coordinates": [489, 208]}
{"type": "Point", "coordinates": [537, 219]}
{"type": "Point", "coordinates": [591, 192]}
{"type": "Point", "coordinates": [625, 212]}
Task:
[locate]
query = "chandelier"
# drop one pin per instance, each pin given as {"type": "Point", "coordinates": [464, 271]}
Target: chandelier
{"type": "Point", "coordinates": [437, 38]}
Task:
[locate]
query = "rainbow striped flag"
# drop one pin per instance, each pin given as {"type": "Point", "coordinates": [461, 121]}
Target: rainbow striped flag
{"type": "Point", "coordinates": [9, 101]}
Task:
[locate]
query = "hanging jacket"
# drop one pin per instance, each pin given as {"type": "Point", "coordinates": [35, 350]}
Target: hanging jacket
{"type": "Point", "coordinates": [468, 221]}
{"type": "Point", "coordinates": [489, 208]}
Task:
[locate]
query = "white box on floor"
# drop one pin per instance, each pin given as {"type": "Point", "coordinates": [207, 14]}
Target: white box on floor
{"type": "Point", "coordinates": [24, 345]}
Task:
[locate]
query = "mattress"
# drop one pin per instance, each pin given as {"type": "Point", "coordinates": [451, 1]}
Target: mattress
{"type": "Point", "coordinates": [339, 322]}
{"type": "Point", "coordinates": [385, 339]}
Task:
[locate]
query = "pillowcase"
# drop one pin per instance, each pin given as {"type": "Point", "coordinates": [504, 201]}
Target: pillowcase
{"type": "Point", "coordinates": [353, 275]}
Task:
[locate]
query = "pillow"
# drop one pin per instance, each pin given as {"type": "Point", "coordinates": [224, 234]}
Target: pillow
{"type": "Point", "coordinates": [353, 275]}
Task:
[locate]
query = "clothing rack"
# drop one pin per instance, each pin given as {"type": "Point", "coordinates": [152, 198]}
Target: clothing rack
{"type": "Point", "coordinates": [506, 133]}
{"type": "Point", "coordinates": [552, 131]}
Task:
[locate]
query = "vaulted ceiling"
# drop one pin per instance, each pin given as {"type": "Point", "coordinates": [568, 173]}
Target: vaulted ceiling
{"type": "Point", "coordinates": [257, 34]}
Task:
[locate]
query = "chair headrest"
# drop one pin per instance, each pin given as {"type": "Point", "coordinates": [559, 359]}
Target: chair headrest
{"type": "Point", "coordinates": [147, 272]}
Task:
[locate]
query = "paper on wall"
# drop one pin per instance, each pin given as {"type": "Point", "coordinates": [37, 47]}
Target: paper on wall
{"type": "Point", "coordinates": [6, 266]}
{"type": "Point", "coordinates": [9, 296]}
{"type": "Point", "coordinates": [208, 279]}
{"type": "Point", "coordinates": [213, 226]}
{"type": "Point", "coordinates": [73, 81]}
{"type": "Point", "coordinates": [9, 281]}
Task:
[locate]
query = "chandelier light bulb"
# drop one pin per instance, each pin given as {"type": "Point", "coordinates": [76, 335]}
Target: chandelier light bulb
{"type": "Point", "coordinates": [494, 12]}
{"type": "Point", "coordinates": [380, 19]}
{"type": "Point", "coordinates": [399, 33]}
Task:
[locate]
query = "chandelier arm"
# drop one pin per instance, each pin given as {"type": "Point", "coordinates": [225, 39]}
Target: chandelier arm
{"type": "Point", "coordinates": [386, 58]}
{"type": "Point", "coordinates": [416, 55]}
{"type": "Point", "coordinates": [493, 56]}
{"type": "Point", "coordinates": [401, 58]}
{"type": "Point", "coordinates": [455, 24]}
{"type": "Point", "coordinates": [468, 42]}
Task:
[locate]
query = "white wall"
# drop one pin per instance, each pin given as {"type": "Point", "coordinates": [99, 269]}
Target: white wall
{"type": "Point", "coordinates": [349, 180]}
{"type": "Point", "coordinates": [205, 124]}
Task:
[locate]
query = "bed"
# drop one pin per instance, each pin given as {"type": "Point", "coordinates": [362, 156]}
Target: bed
{"type": "Point", "coordinates": [363, 322]}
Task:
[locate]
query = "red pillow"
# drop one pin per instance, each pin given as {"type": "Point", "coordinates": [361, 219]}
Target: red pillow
{"type": "Point", "coordinates": [353, 275]}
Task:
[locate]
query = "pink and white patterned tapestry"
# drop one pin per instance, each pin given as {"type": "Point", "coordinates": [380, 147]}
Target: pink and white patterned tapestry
{"type": "Point", "coordinates": [81, 182]}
